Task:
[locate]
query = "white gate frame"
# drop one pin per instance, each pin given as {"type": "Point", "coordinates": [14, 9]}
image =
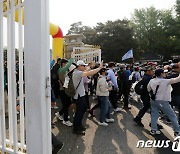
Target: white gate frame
{"type": "Point", "coordinates": [37, 79]}
{"type": "Point", "coordinates": [37, 76]}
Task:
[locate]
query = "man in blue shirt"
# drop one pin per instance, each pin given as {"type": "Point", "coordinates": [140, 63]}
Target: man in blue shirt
{"type": "Point", "coordinates": [113, 93]}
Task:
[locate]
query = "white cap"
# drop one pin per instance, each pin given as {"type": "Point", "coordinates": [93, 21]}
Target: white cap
{"type": "Point", "coordinates": [72, 67]}
{"type": "Point", "coordinates": [80, 62]}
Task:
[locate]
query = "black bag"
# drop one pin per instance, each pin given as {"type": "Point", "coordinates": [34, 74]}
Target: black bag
{"type": "Point", "coordinates": [71, 90]}
{"type": "Point", "coordinates": [152, 95]}
{"type": "Point", "coordinates": [139, 87]}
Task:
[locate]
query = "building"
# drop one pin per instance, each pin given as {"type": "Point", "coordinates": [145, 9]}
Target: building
{"type": "Point", "coordinates": [85, 52]}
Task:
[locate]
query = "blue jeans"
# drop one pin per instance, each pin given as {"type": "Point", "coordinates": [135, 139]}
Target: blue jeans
{"type": "Point", "coordinates": [164, 106]}
{"type": "Point", "coordinates": [105, 108]}
{"type": "Point", "coordinates": [176, 102]}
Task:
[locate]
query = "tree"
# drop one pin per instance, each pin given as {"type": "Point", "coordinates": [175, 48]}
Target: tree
{"type": "Point", "coordinates": [115, 38]}
{"type": "Point", "coordinates": [153, 30]}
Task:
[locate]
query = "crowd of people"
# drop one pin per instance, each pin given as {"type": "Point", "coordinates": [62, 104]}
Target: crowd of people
{"type": "Point", "coordinates": [111, 83]}
{"type": "Point", "coordinates": [156, 86]}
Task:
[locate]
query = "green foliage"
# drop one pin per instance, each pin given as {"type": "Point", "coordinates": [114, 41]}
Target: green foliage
{"type": "Point", "coordinates": [149, 30]}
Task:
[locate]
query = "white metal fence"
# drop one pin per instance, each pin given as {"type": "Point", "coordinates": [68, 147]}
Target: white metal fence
{"type": "Point", "coordinates": [33, 128]}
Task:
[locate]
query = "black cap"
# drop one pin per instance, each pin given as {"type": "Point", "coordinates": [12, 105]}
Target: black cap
{"type": "Point", "coordinates": [159, 71]}
{"type": "Point", "coordinates": [102, 70]}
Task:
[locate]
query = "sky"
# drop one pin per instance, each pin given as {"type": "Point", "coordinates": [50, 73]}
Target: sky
{"type": "Point", "coordinates": [66, 12]}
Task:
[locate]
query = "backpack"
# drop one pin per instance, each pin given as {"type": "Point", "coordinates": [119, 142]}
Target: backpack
{"type": "Point", "coordinates": [139, 87]}
{"type": "Point", "coordinates": [69, 88]}
{"type": "Point", "coordinates": [133, 78]}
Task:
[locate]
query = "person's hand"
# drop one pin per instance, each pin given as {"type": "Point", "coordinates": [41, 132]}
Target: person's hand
{"type": "Point", "coordinates": [110, 89]}
{"type": "Point", "coordinates": [101, 64]}
{"type": "Point", "coordinates": [73, 54]}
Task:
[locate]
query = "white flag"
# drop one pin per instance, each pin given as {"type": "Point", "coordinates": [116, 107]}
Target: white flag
{"type": "Point", "coordinates": [128, 55]}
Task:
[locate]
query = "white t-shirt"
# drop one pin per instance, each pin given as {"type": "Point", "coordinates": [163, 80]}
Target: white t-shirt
{"type": "Point", "coordinates": [165, 88]}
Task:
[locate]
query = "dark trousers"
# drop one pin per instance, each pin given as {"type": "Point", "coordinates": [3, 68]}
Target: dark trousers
{"type": "Point", "coordinates": [125, 93]}
{"type": "Point", "coordinates": [146, 105]}
{"type": "Point", "coordinates": [113, 98]}
{"type": "Point", "coordinates": [87, 100]}
{"type": "Point", "coordinates": [66, 102]}
{"type": "Point", "coordinates": [81, 108]}
{"type": "Point", "coordinates": [55, 87]}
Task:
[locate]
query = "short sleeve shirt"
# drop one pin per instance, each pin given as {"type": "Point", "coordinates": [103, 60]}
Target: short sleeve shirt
{"type": "Point", "coordinates": [77, 77]}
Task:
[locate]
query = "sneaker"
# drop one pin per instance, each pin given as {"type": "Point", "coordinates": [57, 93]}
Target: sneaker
{"type": "Point", "coordinates": [78, 132]}
{"type": "Point", "coordinates": [67, 123]}
{"type": "Point", "coordinates": [168, 121]}
{"type": "Point", "coordinates": [57, 148]}
{"type": "Point", "coordinates": [158, 125]}
{"type": "Point", "coordinates": [155, 132]}
{"type": "Point", "coordinates": [110, 120]}
{"type": "Point", "coordinates": [91, 113]}
{"type": "Point", "coordinates": [138, 122]}
{"type": "Point", "coordinates": [82, 128]}
{"type": "Point", "coordinates": [126, 108]}
{"type": "Point", "coordinates": [176, 134]}
{"type": "Point", "coordinates": [54, 107]}
{"type": "Point", "coordinates": [117, 110]}
{"type": "Point", "coordinates": [102, 124]}
{"type": "Point", "coordinates": [59, 116]}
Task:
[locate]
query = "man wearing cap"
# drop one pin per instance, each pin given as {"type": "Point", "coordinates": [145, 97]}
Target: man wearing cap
{"type": "Point", "coordinates": [145, 95]}
{"type": "Point", "coordinates": [162, 89]}
{"type": "Point", "coordinates": [113, 93]}
{"type": "Point", "coordinates": [79, 96]}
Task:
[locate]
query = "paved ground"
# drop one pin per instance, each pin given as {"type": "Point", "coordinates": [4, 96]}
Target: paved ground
{"type": "Point", "coordinates": [120, 137]}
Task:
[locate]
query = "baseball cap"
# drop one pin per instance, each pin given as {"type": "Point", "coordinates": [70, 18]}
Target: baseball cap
{"type": "Point", "coordinates": [148, 68]}
{"type": "Point", "coordinates": [159, 71]}
{"type": "Point", "coordinates": [103, 70]}
{"type": "Point", "coordinates": [80, 62]}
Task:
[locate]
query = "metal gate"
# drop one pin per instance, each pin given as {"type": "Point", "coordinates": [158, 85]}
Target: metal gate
{"type": "Point", "coordinates": [24, 77]}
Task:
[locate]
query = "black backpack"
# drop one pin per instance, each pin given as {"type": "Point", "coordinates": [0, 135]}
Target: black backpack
{"type": "Point", "coordinates": [139, 87]}
{"type": "Point", "coordinates": [71, 90]}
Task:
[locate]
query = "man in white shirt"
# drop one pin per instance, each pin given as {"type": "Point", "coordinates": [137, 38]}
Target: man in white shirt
{"type": "Point", "coordinates": [162, 99]}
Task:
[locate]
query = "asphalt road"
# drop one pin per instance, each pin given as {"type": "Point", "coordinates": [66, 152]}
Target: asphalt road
{"type": "Point", "coordinates": [120, 137]}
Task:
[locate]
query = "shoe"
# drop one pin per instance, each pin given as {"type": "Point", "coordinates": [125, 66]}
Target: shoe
{"type": "Point", "coordinates": [102, 124]}
{"type": "Point", "coordinates": [126, 108]}
{"type": "Point", "coordinates": [67, 123]}
{"type": "Point", "coordinates": [78, 132]}
{"type": "Point", "coordinates": [82, 128]}
{"type": "Point", "coordinates": [168, 121]}
{"type": "Point", "coordinates": [59, 116]}
{"type": "Point", "coordinates": [138, 122]}
{"type": "Point", "coordinates": [91, 113]}
{"type": "Point", "coordinates": [54, 107]}
{"type": "Point", "coordinates": [155, 132]}
{"type": "Point", "coordinates": [158, 125]}
{"type": "Point", "coordinates": [57, 148]}
{"type": "Point", "coordinates": [176, 134]}
{"type": "Point", "coordinates": [110, 120]}
{"type": "Point", "coordinates": [117, 110]}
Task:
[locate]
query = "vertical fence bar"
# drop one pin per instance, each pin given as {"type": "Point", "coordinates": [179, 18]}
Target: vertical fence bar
{"type": "Point", "coordinates": [2, 100]}
{"type": "Point", "coordinates": [9, 72]}
{"type": "Point", "coordinates": [13, 86]}
{"type": "Point", "coordinates": [37, 59]}
{"type": "Point", "coordinates": [21, 72]}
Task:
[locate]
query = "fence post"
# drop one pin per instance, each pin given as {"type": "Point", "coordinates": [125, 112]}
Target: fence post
{"type": "Point", "coordinates": [37, 70]}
